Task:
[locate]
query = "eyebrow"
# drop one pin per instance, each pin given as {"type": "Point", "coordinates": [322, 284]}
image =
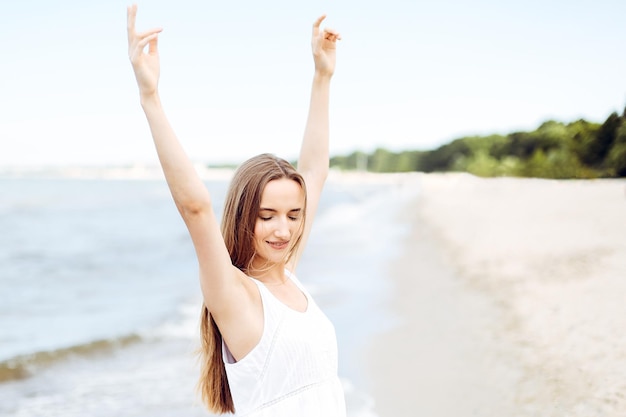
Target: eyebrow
{"type": "Point", "coordinates": [275, 211]}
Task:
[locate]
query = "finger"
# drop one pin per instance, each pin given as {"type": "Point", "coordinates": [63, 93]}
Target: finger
{"type": "Point", "coordinates": [153, 45]}
{"type": "Point", "coordinates": [131, 16]}
{"type": "Point", "coordinates": [143, 42]}
{"type": "Point", "coordinates": [331, 34]}
{"type": "Point", "coordinates": [334, 38]}
{"type": "Point", "coordinates": [139, 42]}
{"type": "Point", "coordinates": [138, 48]}
{"type": "Point", "coordinates": [317, 23]}
{"type": "Point", "coordinates": [149, 32]}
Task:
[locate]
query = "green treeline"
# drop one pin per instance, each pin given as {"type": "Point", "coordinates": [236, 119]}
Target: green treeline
{"type": "Point", "coordinates": [579, 149]}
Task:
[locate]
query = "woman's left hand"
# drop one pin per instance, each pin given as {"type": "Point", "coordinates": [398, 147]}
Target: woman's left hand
{"type": "Point", "coordinates": [324, 46]}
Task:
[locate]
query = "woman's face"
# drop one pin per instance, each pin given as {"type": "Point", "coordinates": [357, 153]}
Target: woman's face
{"type": "Point", "coordinates": [278, 224]}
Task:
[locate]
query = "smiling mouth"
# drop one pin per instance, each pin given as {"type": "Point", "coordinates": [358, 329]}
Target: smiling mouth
{"type": "Point", "coordinates": [278, 245]}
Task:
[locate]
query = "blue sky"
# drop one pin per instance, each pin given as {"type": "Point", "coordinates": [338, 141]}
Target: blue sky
{"type": "Point", "coordinates": [235, 75]}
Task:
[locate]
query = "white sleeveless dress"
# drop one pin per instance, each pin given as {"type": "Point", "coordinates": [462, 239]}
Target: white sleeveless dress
{"type": "Point", "coordinates": [292, 371]}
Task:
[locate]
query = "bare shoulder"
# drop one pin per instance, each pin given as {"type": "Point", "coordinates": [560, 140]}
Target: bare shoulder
{"type": "Point", "coordinates": [240, 315]}
{"type": "Point", "coordinates": [230, 294]}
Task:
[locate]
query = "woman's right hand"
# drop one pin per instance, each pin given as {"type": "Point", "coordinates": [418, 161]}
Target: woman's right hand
{"type": "Point", "coordinates": [145, 65]}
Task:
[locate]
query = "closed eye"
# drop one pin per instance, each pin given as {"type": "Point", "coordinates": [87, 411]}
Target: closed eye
{"type": "Point", "coordinates": [294, 214]}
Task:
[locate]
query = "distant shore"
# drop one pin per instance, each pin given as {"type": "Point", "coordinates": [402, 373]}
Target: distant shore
{"type": "Point", "coordinates": [122, 172]}
{"type": "Point", "coordinates": [510, 299]}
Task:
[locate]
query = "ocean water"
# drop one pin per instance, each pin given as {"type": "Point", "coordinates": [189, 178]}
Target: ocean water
{"type": "Point", "coordinates": [99, 299]}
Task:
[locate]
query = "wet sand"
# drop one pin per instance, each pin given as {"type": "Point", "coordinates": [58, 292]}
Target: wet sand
{"type": "Point", "coordinates": [510, 299]}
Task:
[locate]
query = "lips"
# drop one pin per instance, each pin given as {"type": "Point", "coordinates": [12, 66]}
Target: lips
{"type": "Point", "coordinates": [278, 245]}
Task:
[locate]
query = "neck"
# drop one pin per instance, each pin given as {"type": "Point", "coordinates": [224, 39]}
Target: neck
{"type": "Point", "coordinates": [269, 274]}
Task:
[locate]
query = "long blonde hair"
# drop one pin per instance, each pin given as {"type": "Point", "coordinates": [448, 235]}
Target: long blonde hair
{"type": "Point", "coordinates": [241, 210]}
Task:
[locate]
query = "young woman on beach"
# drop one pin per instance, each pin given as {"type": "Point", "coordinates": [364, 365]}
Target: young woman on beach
{"type": "Point", "coordinates": [267, 349]}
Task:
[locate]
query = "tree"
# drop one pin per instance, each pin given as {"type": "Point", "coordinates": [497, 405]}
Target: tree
{"type": "Point", "coordinates": [616, 159]}
{"type": "Point", "coordinates": [597, 150]}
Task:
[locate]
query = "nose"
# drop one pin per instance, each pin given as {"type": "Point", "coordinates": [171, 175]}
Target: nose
{"type": "Point", "coordinates": [282, 229]}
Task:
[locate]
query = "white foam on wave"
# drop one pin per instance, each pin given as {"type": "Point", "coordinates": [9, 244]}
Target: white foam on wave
{"type": "Point", "coordinates": [183, 325]}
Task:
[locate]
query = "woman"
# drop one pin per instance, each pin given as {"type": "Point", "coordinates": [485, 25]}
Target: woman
{"type": "Point", "coordinates": [267, 348]}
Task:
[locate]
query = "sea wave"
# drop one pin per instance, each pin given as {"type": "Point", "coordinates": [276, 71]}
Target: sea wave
{"type": "Point", "coordinates": [24, 366]}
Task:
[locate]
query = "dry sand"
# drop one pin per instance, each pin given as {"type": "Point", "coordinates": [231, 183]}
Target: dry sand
{"type": "Point", "coordinates": [511, 299]}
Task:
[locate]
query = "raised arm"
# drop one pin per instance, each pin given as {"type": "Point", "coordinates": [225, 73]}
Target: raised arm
{"type": "Point", "coordinates": [314, 159]}
{"type": "Point", "coordinates": [187, 189]}
{"type": "Point", "coordinates": [220, 280]}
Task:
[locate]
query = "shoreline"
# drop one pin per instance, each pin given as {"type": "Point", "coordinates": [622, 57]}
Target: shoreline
{"type": "Point", "coordinates": [510, 299]}
{"type": "Point", "coordinates": [442, 358]}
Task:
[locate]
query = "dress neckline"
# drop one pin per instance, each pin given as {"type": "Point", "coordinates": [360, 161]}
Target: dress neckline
{"type": "Point", "coordinates": [290, 277]}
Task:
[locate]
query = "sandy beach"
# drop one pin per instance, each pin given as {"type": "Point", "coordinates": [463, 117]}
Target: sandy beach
{"type": "Point", "coordinates": [510, 300]}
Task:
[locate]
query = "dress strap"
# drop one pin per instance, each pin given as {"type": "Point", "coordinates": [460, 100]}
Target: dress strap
{"type": "Point", "coordinates": [296, 281]}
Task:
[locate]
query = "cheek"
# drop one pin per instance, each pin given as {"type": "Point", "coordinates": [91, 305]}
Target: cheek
{"type": "Point", "coordinates": [297, 228]}
{"type": "Point", "coordinates": [259, 230]}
